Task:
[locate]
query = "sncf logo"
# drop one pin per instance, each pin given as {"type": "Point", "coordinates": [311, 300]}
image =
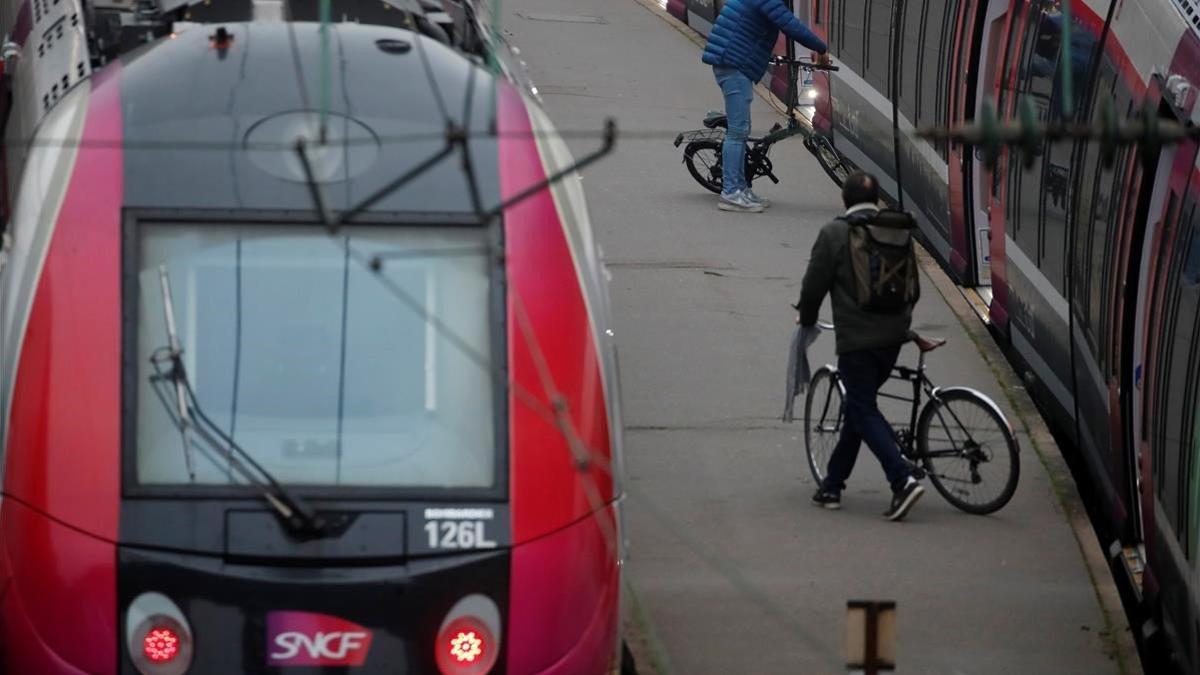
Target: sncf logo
{"type": "Point", "coordinates": [307, 639]}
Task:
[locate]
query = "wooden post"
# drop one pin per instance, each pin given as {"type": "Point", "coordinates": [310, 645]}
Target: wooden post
{"type": "Point", "coordinates": [871, 636]}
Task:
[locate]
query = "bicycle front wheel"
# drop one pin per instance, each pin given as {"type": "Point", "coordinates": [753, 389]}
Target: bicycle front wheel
{"type": "Point", "coordinates": [968, 450]}
{"type": "Point", "coordinates": [822, 420]}
{"type": "Point", "coordinates": [828, 158]}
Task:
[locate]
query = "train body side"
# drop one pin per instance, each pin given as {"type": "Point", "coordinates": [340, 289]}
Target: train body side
{"type": "Point", "coordinates": [1092, 267]}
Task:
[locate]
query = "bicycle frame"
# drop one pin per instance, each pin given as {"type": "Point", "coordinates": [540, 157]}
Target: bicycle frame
{"type": "Point", "coordinates": [764, 143]}
{"type": "Point", "coordinates": [921, 386]}
{"type": "Point", "coordinates": [758, 149]}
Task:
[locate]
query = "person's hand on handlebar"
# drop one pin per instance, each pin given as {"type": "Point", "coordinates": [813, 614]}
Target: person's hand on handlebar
{"type": "Point", "coordinates": [823, 60]}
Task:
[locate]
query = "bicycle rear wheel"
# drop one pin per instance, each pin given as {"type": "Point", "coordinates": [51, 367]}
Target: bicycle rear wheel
{"type": "Point", "coordinates": [822, 420]}
{"type": "Point", "coordinates": [828, 158]}
{"type": "Point", "coordinates": [968, 450]}
{"type": "Point", "coordinates": [703, 159]}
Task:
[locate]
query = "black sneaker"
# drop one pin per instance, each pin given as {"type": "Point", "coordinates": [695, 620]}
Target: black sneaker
{"type": "Point", "coordinates": [903, 500]}
{"type": "Point", "coordinates": [827, 500]}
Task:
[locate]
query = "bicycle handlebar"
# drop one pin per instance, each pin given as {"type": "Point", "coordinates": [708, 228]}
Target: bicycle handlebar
{"type": "Point", "coordinates": [803, 63]}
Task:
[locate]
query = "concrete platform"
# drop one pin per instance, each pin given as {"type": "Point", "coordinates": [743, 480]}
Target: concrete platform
{"type": "Point", "coordinates": [731, 569]}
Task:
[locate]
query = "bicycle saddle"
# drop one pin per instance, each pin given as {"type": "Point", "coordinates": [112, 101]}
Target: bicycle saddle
{"type": "Point", "coordinates": [714, 119]}
{"type": "Point", "coordinates": [927, 344]}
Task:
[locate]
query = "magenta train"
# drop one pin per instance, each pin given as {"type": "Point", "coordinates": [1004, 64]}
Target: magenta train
{"type": "Point", "coordinates": [235, 440]}
{"type": "Point", "coordinates": [1089, 272]}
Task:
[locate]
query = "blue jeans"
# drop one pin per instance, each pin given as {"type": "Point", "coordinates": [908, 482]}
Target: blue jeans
{"type": "Point", "coordinates": [739, 94]}
{"type": "Point", "coordinates": [863, 373]}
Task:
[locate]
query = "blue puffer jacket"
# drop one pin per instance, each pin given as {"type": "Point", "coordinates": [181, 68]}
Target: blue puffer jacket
{"type": "Point", "coordinates": [746, 31]}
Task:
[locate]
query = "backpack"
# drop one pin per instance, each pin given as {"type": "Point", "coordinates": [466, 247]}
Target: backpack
{"type": "Point", "coordinates": [883, 260]}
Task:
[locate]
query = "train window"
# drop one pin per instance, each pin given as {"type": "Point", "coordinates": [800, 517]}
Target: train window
{"type": "Point", "coordinates": [879, 46]}
{"type": "Point", "coordinates": [837, 28]}
{"type": "Point", "coordinates": [1025, 186]}
{"type": "Point", "coordinates": [854, 23]}
{"type": "Point", "coordinates": [1045, 36]}
{"type": "Point", "coordinates": [326, 372]}
{"type": "Point", "coordinates": [949, 26]}
{"type": "Point", "coordinates": [1112, 201]}
{"type": "Point", "coordinates": [1057, 173]}
{"type": "Point", "coordinates": [1097, 211]}
{"type": "Point", "coordinates": [935, 46]}
{"type": "Point", "coordinates": [1085, 223]}
{"type": "Point", "coordinates": [910, 58]}
{"type": "Point", "coordinates": [1150, 430]}
{"type": "Point", "coordinates": [1193, 476]}
{"type": "Point", "coordinates": [1190, 465]}
{"type": "Point", "coordinates": [1191, 267]}
{"type": "Point", "coordinates": [1056, 178]}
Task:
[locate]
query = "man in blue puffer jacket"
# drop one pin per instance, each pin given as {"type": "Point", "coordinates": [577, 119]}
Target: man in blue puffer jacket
{"type": "Point", "coordinates": [739, 47]}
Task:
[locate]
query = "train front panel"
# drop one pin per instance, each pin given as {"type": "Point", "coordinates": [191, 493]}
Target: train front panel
{"type": "Point", "coordinates": [235, 441]}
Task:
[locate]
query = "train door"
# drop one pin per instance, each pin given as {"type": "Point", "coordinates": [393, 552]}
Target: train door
{"type": "Point", "coordinates": [987, 88]}
{"type": "Point", "coordinates": [1165, 211]}
{"type": "Point", "coordinates": [1134, 350]}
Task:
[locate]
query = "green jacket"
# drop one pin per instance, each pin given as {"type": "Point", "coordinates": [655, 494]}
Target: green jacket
{"type": "Point", "coordinates": [829, 272]}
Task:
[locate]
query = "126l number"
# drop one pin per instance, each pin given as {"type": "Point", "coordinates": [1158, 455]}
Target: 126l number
{"type": "Point", "coordinates": [457, 534]}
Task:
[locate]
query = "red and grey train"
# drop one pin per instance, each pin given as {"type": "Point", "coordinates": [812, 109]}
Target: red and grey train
{"type": "Point", "coordinates": [1088, 270]}
{"type": "Point", "coordinates": [235, 440]}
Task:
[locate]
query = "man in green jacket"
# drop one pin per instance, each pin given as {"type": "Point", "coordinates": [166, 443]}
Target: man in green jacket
{"type": "Point", "coordinates": [868, 344]}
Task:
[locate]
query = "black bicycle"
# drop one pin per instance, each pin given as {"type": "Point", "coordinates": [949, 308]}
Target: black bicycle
{"type": "Point", "coordinates": [702, 154]}
{"type": "Point", "coordinates": [959, 439]}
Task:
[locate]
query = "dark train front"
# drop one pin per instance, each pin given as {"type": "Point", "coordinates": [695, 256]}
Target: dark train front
{"type": "Point", "coordinates": [236, 440]}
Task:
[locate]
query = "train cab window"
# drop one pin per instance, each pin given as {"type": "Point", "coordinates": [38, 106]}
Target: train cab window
{"type": "Point", "coordinates": [328, 373]}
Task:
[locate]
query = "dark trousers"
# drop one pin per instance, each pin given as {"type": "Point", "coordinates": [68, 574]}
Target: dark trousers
{"type": "Point", "coordinates": [863, 373]}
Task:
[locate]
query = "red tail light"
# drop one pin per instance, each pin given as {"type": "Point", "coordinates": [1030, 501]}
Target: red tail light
{"type": "Point", "coordinates": [157, 636]}
{"type": "Point", "coordinates": [161, 645]}
{"type": "Point", "coordinates": [465, 645]}
{"type": "Point", "coordinates": [469, 640]}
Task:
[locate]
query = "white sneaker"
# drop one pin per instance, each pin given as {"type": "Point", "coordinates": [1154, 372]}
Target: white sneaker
{"type": "Point", "coordinates": [766, 203]}
{"type": "Point", "coordinates": [738, 201]}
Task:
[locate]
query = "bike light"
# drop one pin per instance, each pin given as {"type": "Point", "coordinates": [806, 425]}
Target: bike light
{"type": "Point", "coordinates": [812, 93]}
{"type": "Point", "coordinates": [157, 636]}
{"type": "Point", "coordinates": [468, 642]}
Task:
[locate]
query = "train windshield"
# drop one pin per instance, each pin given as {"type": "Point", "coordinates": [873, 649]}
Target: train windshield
{"type": "Point", "coordinates": [326, 371]}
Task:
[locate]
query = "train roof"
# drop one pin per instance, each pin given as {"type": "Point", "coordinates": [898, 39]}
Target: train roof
{"type": "Point", "coordinates": [212, 124]}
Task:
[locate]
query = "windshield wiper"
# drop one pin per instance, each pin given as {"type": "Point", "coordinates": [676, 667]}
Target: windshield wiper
{"type": "Point", "coordinates": [173, 354]}
{"type": "Point", "coordinates": [190, 417]}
